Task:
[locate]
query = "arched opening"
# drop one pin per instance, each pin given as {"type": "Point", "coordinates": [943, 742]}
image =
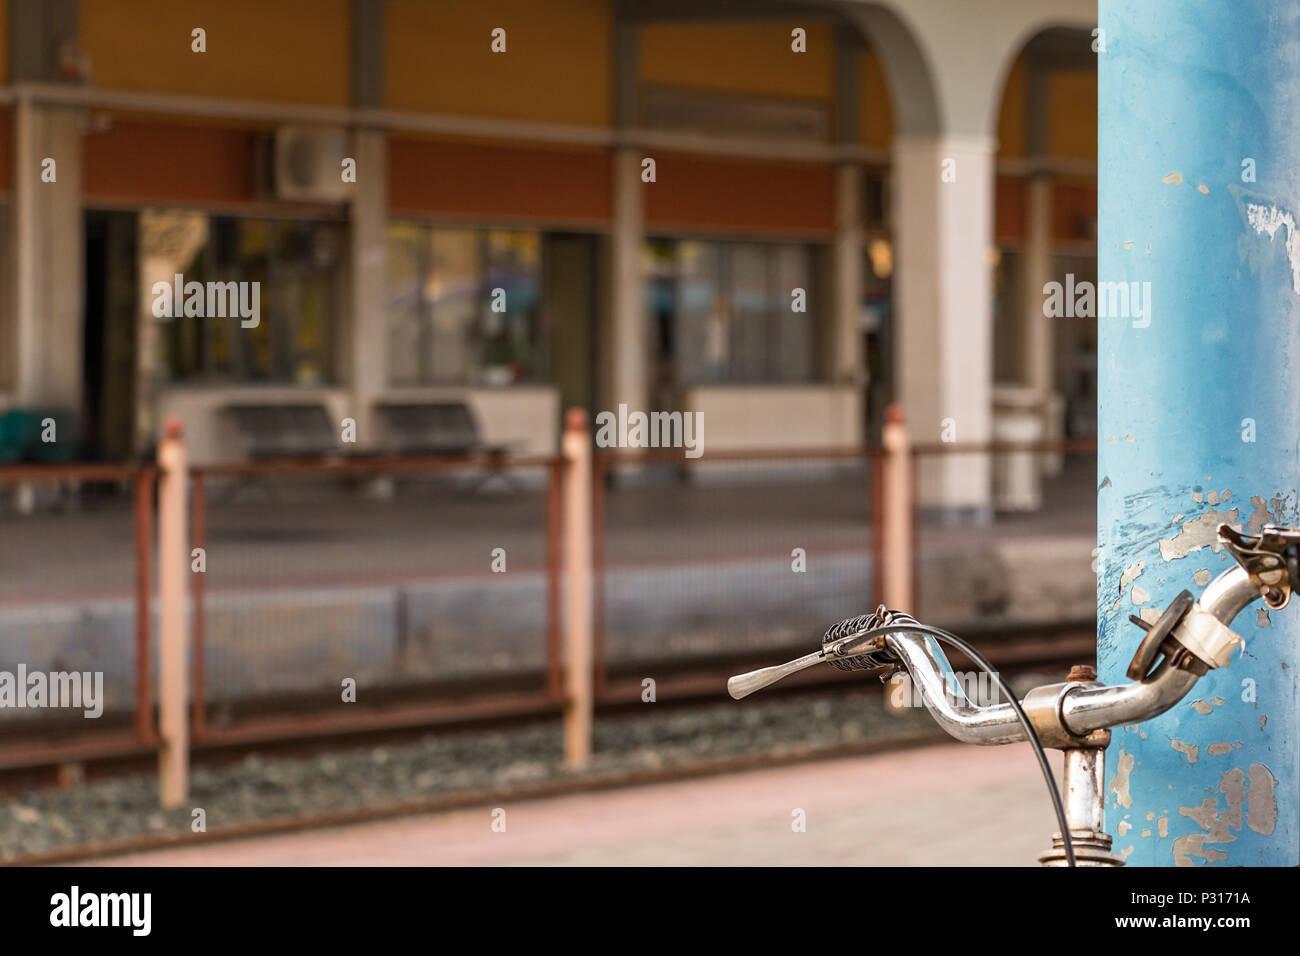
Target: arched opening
{"type": "Point", "coordinates": [899, 99]}
{"type": "Point", "coordinates": [1045, 230]}
{"type": "Point", "coordinates": [817, 95]}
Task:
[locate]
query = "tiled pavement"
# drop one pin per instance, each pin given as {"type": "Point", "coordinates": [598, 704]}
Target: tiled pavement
{"type": "Point", "coordinates": [950, 805]}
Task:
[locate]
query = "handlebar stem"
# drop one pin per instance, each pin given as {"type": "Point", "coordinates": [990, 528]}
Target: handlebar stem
{"type": "Point", "coordinates": [1083, 708]}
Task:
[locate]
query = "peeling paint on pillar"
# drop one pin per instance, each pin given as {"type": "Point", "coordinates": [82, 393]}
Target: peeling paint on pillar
{"type": "Point", "coordinates": [1198, 89]}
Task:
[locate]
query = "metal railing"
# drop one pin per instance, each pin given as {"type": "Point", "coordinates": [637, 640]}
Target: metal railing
{"type": "Point", "coordinates": [697, 558]}
{"type": "Point", "coordinates": [400, 573]}
{"type": "Point", "coordinates": [76, 596]}
{"type": "Point", "coordinates": [380, 568]}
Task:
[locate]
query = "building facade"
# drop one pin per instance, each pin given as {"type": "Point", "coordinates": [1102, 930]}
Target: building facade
{"type": "Point", "coordinates": [780, 215]}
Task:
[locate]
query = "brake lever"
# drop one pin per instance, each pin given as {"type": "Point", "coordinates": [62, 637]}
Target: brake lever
{"type": "Point", "coordinates": [742, 685]}
{"type": "Point", "coordinates": [847, 646]}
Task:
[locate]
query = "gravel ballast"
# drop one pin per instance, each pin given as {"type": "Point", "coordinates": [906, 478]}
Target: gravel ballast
{"type": "Point", "coordinates": [261, 789]}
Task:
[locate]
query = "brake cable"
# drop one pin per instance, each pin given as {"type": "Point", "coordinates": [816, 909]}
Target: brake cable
{"type": "Point", "coordinates": [1048, 777]}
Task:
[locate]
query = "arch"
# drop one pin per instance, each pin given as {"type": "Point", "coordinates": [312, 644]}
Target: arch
{"type": "Point", "coordinates": [912, 89]}
{"type": "Point", "coordinates": [1062, 46]}
{"type": "Point", "coordinates": [947, 63]}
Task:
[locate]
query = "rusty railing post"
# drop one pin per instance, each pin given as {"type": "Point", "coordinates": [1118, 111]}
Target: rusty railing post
{"type": "Point", "coordinates": [601, 666]}
{"type": "Point", "coordinates": [896, 513]}
{"type": "Point", "coordinates": [145, 482]}
{"type": "Point", "coordinates": [198, 539]}
{"type": "Point", "coordinates": [896, 531]}
{"type": "Point", "coordinates": [577, 513]}
{"type": "Point", "coordinates": [173, 569]}
{"type": "Point", "coordinates": [554, 486]}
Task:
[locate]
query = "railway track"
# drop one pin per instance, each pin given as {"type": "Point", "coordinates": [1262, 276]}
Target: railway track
{"type": "Point", "coordinates": [51, 758]}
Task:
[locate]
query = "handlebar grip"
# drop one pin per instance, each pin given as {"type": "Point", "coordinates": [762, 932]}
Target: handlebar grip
{"type": "Point", "coordinates": [839, 649]}
{"type": "Point", "coordinates": [860, 625]}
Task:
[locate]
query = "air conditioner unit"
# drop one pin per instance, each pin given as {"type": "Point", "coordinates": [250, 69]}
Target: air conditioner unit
{"type": "Point", "coordinates": [308, 165]}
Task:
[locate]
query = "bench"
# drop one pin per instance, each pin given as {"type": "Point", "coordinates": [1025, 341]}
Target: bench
{"type": "Point", "coordinates": [305, 430]}
{"type": "Point", "coordinates": [441, 428]}
{"type": "Point", "coordinates": [299, 430]}
{"type": "Point", "coordinates": [271, 431]}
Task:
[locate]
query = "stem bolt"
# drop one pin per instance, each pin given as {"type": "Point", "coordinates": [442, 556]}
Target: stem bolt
{"type": "Point", "coordinates": [1082, 672]}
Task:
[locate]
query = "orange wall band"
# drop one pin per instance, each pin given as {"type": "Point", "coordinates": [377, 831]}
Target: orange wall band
{"type": "Point", "coordinates": [156, 162]}
{"type": "Point", "coordinates": [439, 178]}
{"type": "Point", "coordinates": [705, 194]}
{"type": "Point", "coordinates": [1074, 209]}
{"type": "Point", "coordinates": [145, 162]}
{"type": "Point", "coordinates": [1009, 209]}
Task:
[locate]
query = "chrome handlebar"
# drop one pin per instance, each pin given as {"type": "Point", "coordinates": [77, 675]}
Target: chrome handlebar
{"type": "Point", "coordinates": [1064, 715]}
{"type": "Point", "coordinates": [849, 645]}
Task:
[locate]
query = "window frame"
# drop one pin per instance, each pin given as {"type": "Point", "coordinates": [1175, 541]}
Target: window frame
{"type": "Point", "coordinates": [815, 256]}
{"type": "Point", "coordinates": [473, 377]}
{"type": "Point", "coordinates": [206, 375]}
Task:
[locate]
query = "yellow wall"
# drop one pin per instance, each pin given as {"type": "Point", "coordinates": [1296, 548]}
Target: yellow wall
{"type": "Point", "coordinates": [1013, 136]}
{"type": "Point", "coordinates": [289, 50]}
{"type": "Point", "coordinates": [1072, 125]}
{"type": "Point", "coordinates": [1071, 118]}
{"type": "Point", "coordinates": [876, 118]}
{"type": "Point", "coordinates": [738, 57]}
{"type": "Point", "coordinates": [756, 59]}
{"type": "Point", "coordinates": [556, 67]}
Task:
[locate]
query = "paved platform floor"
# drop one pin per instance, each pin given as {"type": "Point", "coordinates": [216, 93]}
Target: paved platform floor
{"type": "Point", "coordinates": [950, 805]}
{"type": "Point", "coordinates": [296, 532]}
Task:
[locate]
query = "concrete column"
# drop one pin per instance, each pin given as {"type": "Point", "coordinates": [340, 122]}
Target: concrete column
{"type": "Point", "coordinates": [1200, 408]}
{"type": "Point", "coordinates": [1037, 346]}
{"type": "Point", "coordinates": [845, 363]}
{"type": "Point", "coordinates": [50, 249]}
{"type": "Point", "coordinates": [845, 338]}
{"type": "Point", "coordinates": [46, 226]}
{"type": "Point", "coordinates": [1037, 332]}
{"type": "Point", "coordinates": [943, 234]}
{"type": "Point", "coordinates": [1037, 336]}
{"type": "Point", "coordinates": [629, 359]}
{"type": "Point", "coordinates": [367, 353]}
{"type": "Point", "coordinates": [25, 225]}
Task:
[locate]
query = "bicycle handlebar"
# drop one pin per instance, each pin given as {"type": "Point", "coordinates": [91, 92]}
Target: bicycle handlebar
{"type": "Point", "coordinates": [1194, 638]}
{"type": "Point", "coordinates": [849, 645]}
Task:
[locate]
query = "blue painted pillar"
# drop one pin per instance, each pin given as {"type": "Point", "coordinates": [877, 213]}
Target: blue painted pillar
{"type": "Point", "coordinates": [1199, 418]}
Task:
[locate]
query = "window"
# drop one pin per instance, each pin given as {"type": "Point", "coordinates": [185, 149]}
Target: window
{"type": "Point", "coordinates": [733, 308]}
{"type": "Point", "coordinates": [463, 305]}
{"type": "Point", "coordinates": [297, 266]}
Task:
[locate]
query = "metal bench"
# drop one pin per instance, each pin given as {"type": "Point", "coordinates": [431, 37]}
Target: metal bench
{"type": "Point", "coordinates": [297, 430]}
{"type": "Point", "coordinates": [271, 431]}
{"type": "Point", "coordinates": [442, 428]}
